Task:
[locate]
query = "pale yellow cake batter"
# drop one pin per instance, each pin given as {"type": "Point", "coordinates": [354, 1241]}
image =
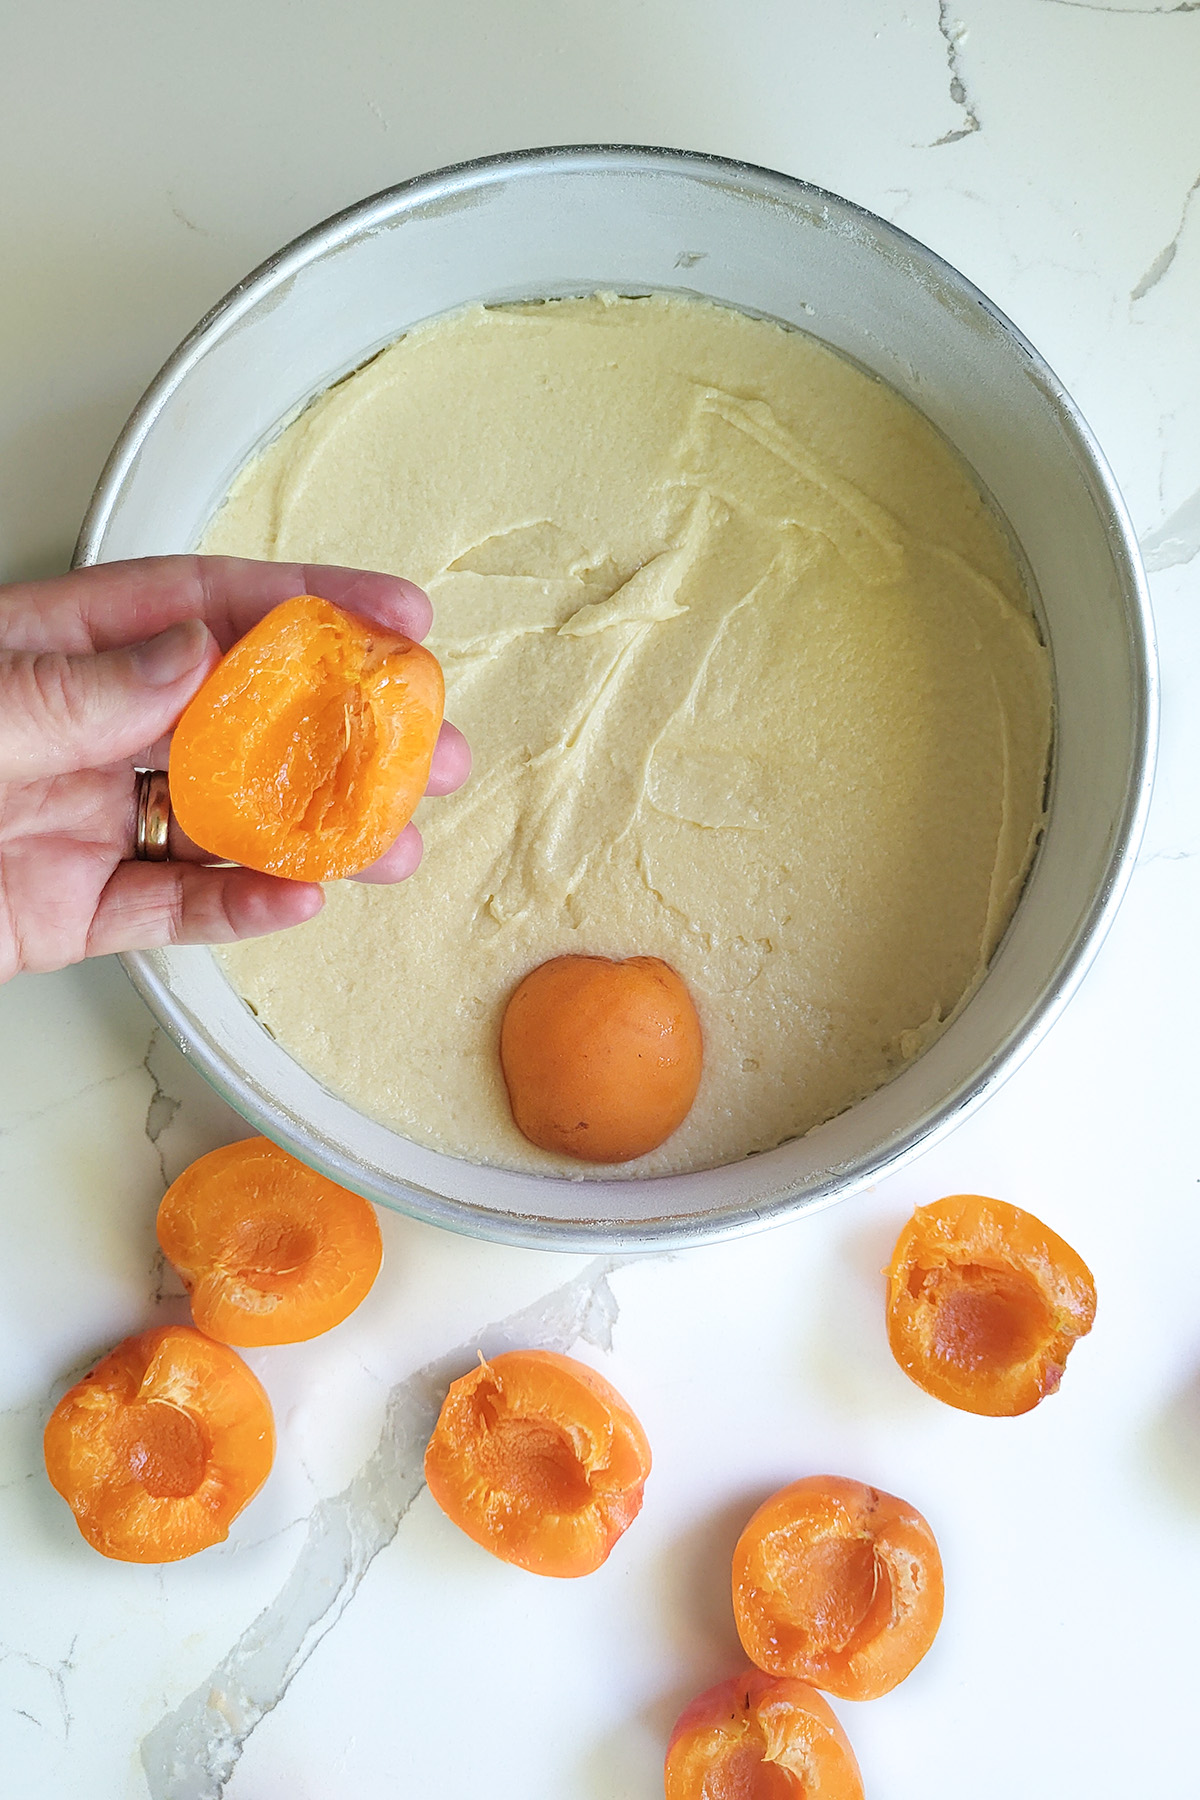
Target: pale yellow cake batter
{"type": "Point", "coordinates": [752, 685]}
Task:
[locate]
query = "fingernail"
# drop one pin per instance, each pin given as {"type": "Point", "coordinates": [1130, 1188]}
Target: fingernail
{"type": "Point", "coordinates": [410, 591]}
{"type": "Point", "coordinates": [165, 658]}
{"type": "Point", "coordinates": [408, 594]}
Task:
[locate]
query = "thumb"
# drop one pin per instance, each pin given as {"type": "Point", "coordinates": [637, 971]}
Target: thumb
{"type": "Point", "coordinates": [61, 713]}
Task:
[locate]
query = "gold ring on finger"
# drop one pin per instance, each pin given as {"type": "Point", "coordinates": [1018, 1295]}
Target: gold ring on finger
{"type": "Point", "coordinates": [153, 816]}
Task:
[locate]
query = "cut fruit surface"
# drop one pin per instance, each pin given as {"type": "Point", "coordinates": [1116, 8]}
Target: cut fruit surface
{"type": "Point", "coordinates": [837, 1584]}
{"type": "Point", "coordinates": [270, 1251]}
{"type": "Point", "coordinates": [161, 1445]}
{"type": "Point", "coordinates": [539, 1460]}
{"type": "Point", "coordinates": [760, 1737]}
{"type": "Point", "coordinates": [305, 752]}
{"type": "Point", "coordinates": [985, 1304]}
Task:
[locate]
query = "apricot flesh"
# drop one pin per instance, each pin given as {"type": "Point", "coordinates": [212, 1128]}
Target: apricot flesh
{"type": "Point", "coordinates": [306, 750]}
{"type": "Point", "coordinates": [270, 1251]}
{"type": "Point", "coordinates": [539, 1460]}
{"type": "Point", "coordinates": [602, 1059]}
{"type": "Point", "coordinates": [159, 1448]}
{"type": "Point", "coordinates": [760, 1737]}
{"type": "Point", "coordinates": [985, 1303]}
{"type": "Point", "coordinates": [837, 1584]}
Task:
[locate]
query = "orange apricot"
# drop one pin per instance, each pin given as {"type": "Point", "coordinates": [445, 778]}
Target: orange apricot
{"type": "Point", "coordinates": [601, 1059]}
{"type": "Point", "coordinates": [760, 1737]}
{"type": "Point", "coordinates": [837, 1584]}
{"type": "Point", "coordinates": [539, 1460]}
{"type": "Point", "coordinates": [984, 1304]}
{"type": "Point", "coordinates": [159, 1448]}
{"type": "Point", "coordinates": [306, 751]}
{"type": "Point", "coordinates": [269, 1251]}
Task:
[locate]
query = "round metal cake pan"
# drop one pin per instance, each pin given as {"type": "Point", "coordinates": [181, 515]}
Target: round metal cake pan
{"type": "Point", "coordinates": [547, 223]}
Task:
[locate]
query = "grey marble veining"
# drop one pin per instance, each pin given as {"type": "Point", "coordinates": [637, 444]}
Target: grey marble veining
{"type": "Point", "coordinates": [1166, 256]}
{"type": "Point", "coordinates": [192, 1753]}
{"type": "Point", "coordinates": [953, 33]}
{"type": "Point", "coordinates": [1176, 540]}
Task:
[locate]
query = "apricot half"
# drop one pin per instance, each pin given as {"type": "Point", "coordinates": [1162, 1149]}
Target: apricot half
{"type": "Point", "coordinates": [838, 1584]}
{"type": "Point", "coordinates": [602, 1059]}
{"type": "Point", "coordinates": [270, 1251]}
{"type": "Point", "coordinates": [306, 751]}
{"type": "Point", "coordinates": [159, 1448]}
{"type": "Point", "coordinates": [539, 1460]}
{"type": "Point", "coordinates": [760, 1737]}
{"type": "Point", "coordinates": [984, 1304]}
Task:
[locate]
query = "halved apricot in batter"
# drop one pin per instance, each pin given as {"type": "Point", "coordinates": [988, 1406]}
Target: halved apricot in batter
{"type": "Point", "coordinates": [159, 1448]}
{"type": "Point", "coordinates": [269, 1251]}
{"type": "Point", "coordinates": [760, 1737]}
{"type": "Point", "coordinates": [539, 1460]}
{"type": "Point", "coordinates": [838, 1584]}
{"type": "Point", "coordinates": [985, 1303]}
{"type": "Point", "coordinates": [602, 1059]}
{"type": "Point", "coordinates": [306, 751]}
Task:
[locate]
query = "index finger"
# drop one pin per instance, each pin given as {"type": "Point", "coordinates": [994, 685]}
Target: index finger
{"type": "Point", "coordinates": [113, 604]}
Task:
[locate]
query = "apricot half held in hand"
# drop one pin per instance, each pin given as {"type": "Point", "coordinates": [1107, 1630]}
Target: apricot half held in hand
{"type": "Point", "coordinates": [269, 1251]}
{"type": "Point", "coordinates": [601, 1059]}
{"type": "Point", "coordinates": [159, 1448]}
{"type": "Point", "coordinates": [760, 1737]}
{"type": "Point", "coordinates": [305, 752]}
{"type": "Point", "coordinates": [539, 1460]}
{"type": "Point", "coordinates": [985, 1303]}
{"type": "Point", "coordinates": [838, 1584]}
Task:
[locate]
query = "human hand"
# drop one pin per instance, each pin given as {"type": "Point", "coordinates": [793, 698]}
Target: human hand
{"type": "Point", "coordinates": [95, 669]}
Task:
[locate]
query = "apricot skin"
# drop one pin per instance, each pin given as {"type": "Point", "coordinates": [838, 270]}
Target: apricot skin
{"type": "Point", "coordinates": [985, 1303]}
{"type": "Point", "coordinates": [837, 1584]}
{"type": "Point", "coordinates": [601, 1059]}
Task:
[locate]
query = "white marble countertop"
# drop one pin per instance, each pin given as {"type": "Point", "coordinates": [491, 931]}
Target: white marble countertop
{"type": "Point", "coordinates": [346, 1640]}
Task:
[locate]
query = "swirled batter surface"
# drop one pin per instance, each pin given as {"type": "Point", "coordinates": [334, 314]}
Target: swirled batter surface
{"type": "Point", "coordinates": [752, 684]}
